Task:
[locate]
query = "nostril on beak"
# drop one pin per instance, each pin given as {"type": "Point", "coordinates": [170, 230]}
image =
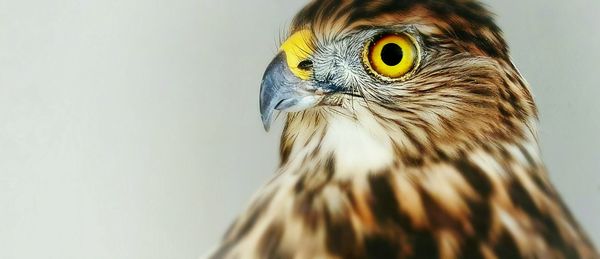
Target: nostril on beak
{"type": "Point", "coordinates": [306, 64]}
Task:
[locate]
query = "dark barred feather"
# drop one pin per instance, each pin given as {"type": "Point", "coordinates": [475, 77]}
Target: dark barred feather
{"type": "Point", "coordinates": [443, 165]}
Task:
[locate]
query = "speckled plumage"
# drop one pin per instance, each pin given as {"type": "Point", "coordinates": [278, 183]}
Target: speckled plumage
{"type": "Point", "coordinates": [444, 164]}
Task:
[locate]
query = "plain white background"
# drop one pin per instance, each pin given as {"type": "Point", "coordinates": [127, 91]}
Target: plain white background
{"type": "Point", "coordinates": [130, 129]}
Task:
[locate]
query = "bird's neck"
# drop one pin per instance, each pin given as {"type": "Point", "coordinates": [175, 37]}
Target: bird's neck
{"type": "Point", "coordinates": [354, 146]}
{"type": "Point", "coordinates": [358, 145]}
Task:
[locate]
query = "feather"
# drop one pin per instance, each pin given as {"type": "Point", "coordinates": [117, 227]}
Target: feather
{"type": "Point", "coordinates": [442, 164]}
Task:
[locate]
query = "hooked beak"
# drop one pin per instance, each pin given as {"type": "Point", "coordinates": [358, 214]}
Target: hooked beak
{"type": "Point", "coordinates": [282, 90]}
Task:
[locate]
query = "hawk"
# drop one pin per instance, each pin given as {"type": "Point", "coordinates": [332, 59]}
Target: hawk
{"type": "Point", "coordinates": [409, 134]}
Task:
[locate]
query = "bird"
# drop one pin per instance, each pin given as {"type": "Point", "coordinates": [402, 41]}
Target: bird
{"type": "Point", "coordinates": [409, 133]}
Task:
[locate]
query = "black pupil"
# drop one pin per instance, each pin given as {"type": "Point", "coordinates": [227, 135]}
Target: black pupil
{"type": "Point", "coordinates": [391, 54]}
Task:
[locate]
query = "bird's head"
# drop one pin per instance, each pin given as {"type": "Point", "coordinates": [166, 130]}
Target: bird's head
{"type": "Point", "coordinates": [419, 77]}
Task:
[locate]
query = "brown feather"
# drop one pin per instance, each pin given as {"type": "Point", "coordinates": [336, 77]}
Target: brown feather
{"type": "Point", "coordinates": [464, 178]}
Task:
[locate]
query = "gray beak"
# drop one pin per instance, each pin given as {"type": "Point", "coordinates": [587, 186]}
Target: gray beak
{"type": "Point", "coordinates": [282, 90]}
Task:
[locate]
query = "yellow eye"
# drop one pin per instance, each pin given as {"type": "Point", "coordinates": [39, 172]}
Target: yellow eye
{"type": "Point", "coordinates": [392, 56]}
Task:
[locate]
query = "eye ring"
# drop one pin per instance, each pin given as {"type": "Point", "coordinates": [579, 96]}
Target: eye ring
{"type": "Point", "coordinates": [392, 57]}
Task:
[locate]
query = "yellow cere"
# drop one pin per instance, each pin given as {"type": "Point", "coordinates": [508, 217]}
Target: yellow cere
{"type": "Point", "coordinates": [392, 56]}
{"type": "Point", "coordinates": [297, 48]}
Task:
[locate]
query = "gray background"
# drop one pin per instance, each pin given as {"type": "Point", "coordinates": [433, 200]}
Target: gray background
{"type": "Point", "coordinates": [130, 129]}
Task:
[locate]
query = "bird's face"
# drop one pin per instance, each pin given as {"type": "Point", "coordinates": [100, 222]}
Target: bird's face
{"type": "Point", "coordinates": [369, 63]}
{"type": "Point", "coordinates": [423, 73]}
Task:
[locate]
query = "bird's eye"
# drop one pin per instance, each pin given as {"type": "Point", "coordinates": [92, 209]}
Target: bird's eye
{"type": "Point", "coordinates": [391, 56]}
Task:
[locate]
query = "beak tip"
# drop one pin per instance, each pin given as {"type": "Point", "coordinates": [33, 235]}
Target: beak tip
{"type": "Point", "coordinates": [266, 120]}
{"type": "Point", "coordinates": [266, 126]}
